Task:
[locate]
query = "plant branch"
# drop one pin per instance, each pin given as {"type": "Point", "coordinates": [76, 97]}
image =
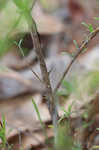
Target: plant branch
{"type": "Point", "coordinates": [26, 61]}
{"type": "Point", "coordinates": [45, 75]}
{"type": "Point", "coordinates": [82, 47]}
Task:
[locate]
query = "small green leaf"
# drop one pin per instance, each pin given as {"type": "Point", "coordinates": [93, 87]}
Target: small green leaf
{"type": "Point", "coordinates": [85, 24]}
{"type": "Point", "coordinates": [89, 26]}
{"type": "Point", "coordinates": [76, 45]}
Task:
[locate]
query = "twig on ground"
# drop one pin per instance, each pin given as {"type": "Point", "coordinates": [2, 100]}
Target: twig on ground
{"type": "Point", "coordinates": [45, 75]}
{"type": "Point", "coordinates": [82, 47]}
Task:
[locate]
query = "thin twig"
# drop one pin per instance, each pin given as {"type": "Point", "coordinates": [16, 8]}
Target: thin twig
{"type": "Point", "coordinates": [33, 4]}
{"type": "Point", "coordinates": [82, 47]}
{"type": "Point", "coordinates": [45, 75]}
{"type": "Point", "coordinates": [21, 50]}
{"type": "Point", "coordinates": [36, 75]}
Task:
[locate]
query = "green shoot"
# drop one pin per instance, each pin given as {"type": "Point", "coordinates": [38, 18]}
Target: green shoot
{"type": "Point", "coordinates": [39, 117]}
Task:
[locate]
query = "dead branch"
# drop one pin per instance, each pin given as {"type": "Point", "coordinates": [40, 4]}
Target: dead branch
{"type": "Point", "coordinates": [82, 47]}
{"type": "Point", "coordinates": [45, 75]}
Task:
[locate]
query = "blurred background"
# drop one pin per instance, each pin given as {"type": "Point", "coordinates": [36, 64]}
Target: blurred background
{"type": "Point", "coordinates": [59, 23]}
